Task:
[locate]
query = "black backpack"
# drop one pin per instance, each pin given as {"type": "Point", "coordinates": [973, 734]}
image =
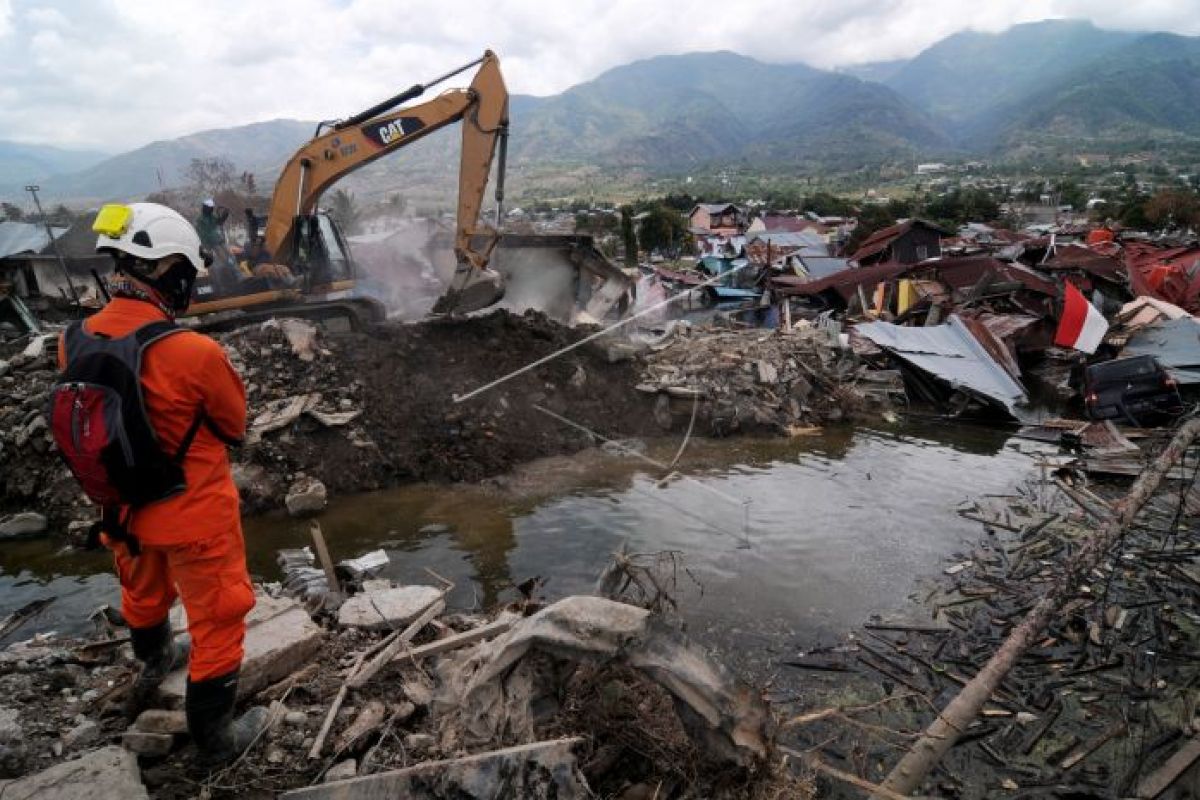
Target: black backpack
{"type": "Point", "coordinates": [98, 418]}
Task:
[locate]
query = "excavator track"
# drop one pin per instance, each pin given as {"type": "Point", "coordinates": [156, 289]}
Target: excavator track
{"type": "Point", "coordinates": [359, 313]}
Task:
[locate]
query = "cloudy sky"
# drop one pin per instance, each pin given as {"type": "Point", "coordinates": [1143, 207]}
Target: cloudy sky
{"type": "Point", "coordinates": [116, 74]}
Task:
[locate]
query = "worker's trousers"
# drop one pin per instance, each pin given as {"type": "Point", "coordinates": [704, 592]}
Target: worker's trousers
{"type": "Point", "coordinates": [211, 579]}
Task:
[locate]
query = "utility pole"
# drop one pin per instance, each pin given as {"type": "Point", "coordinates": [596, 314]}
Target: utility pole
{"type": "Point", "coordinates": [33, 190]}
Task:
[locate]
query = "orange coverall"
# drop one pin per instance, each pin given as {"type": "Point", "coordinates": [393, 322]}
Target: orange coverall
{"type": "Point", "coordinates": [192, 545]}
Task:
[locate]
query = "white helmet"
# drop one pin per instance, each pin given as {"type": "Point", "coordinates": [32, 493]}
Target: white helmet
{"type": "Point", "coordinates": [148, 231]}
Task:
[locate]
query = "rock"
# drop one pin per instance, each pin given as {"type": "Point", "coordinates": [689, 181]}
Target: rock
{"type": "Point", "coordinates": [1026, 718]}
{"type": "Point", "coordinates": [109, 773]}
{"type": "Point", "coordinates": [147, 744]}
{"type": "Point", "coordinates": [342, 770]}
{"type": "Point", "coordinates": [297, 718]}
{"type": "Point", "coordinates": [766, 373]}
{"type": "Point", "coordinates": [537, 771]}
{"type": "Point", "coordinates": [253, 481]}
{"type": "Point", "coordinates": [10, 728]}
{"type": "Point", "coordinates": [402, 712]}
{"type": "Point", "coordinates": [12, 761]}
{"type": "Point", "coordinates": [275, 754]}
{"type": "Point", "coordinates": [306, 497]}
{"type": "Point", "coordinates": [280, 639]}
{"type": "Point", "coordinates": [26, 523]}
{"type": "Point", "coordinates": [82, 735]}
{"type": "Point", "coordinates": [387, 609]}
{"type": "Point", "coordinates": [662, 412]}
{"type": "Point", "coordinates": [418, 742]}
{"type": "Point", "coordinates": [35, 349]}
{"type": "Point", "coordinates": [161, 720]}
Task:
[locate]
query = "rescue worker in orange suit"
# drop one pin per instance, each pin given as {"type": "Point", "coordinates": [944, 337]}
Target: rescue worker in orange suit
{"type": "Point", "coordinates": [190, 544]}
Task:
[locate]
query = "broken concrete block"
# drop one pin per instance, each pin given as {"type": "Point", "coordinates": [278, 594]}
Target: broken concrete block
{"type": "Point", "coordinates": [82, 735]}
{"type": "Point", "coordinates": [26, 523]}
{"type": "Point", "coordinates": [280, 639]}
{"type": "Point", "coordinates": [147, 744]}
{"type": "Point", "coordinates": [307, 496]}
{"type": "Point", "coordinates": [766, 372]}
{"type": "Point", "coordinates": [10, 728]}
{"type": "Point", "coordinates": [537, 771]}
{"type": "Point", "coordinates": [161, 720]}
{"type": "Point", "coordinates": [391, 608]}
{"type": "Point", "coordinates": [109, 773]}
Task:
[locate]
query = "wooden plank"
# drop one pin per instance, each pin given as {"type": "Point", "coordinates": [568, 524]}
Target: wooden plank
{"type": "Point", "coordinates": [385, 656]}
{"type": "Point", "coordinates": [1073, 760]}
{"type": "Point", "coordinates": [323, 557]}
{"type": "Point", "coordinates": [544, 758]}
{"type": "Point", "coordinates": [456, 641]}
{"type": "Point", "coordinates": [1161, 779]}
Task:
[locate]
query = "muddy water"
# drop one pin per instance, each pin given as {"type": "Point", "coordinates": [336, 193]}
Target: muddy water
{"type": "Point", "coordinates": [787, 543]}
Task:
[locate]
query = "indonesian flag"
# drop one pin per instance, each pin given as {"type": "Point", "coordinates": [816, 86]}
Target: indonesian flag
{"type": "Point", "coordinates": [1081, 325]}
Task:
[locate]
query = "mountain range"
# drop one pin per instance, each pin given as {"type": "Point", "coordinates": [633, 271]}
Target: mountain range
{"type": "Point", "coordinates": [1050, 88]}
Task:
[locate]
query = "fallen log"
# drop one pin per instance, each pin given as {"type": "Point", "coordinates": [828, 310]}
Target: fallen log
{"type": "Point", "coordinates": [950, 724]}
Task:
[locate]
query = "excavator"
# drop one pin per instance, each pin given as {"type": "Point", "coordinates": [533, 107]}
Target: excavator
{"type": "Point", "coordinates": [305, 266]}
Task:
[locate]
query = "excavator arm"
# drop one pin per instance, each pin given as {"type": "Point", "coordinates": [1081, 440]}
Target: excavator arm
{"type": "Point", "coordinates": [378, 131]}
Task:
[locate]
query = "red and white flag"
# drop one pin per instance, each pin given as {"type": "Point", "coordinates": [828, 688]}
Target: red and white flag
{"type": "Point", "coordinates": [1081, 325]}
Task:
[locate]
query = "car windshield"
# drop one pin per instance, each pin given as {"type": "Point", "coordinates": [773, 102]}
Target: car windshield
{"type": "Point", "coordinates": [1124, 369]}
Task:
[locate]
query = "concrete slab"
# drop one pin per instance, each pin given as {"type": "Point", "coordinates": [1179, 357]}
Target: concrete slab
{"type": "Point", "coordinates": [280, 638]}
{"type": "Point", "coordinates": [390, 608]}
{"type": "Point", "coordinates": [537, 771]}
{"type": "Point", "coordinates": [110, 773]}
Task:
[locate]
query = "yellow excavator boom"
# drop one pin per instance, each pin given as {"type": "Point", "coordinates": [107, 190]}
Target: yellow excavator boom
{"type": "Point", "coordinates": [347, 145]}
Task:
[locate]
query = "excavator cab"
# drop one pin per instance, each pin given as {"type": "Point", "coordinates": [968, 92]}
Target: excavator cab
{"type": "Point", "coordinates": [322, 259]}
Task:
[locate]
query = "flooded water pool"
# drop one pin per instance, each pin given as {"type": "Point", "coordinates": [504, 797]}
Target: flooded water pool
{"type": "Point", "coordinates": [790, 542]}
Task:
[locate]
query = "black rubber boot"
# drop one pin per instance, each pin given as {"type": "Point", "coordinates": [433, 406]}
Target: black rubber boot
{"type": "Point", "coordinates": [160, 654]}
{"type": "Point", "coordinates": [210, 720]}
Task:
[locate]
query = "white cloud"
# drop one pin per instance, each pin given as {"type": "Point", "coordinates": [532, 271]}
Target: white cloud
{"type": "Point", "coordinates": [116, 74]}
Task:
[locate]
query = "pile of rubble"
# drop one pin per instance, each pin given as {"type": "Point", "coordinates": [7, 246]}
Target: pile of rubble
{"type": "Point", "coordinates": [382, 692]}
{"type": "Point", "coordinates": [754, 381]}
{"type": "Point", "coordinates": [34, 483]}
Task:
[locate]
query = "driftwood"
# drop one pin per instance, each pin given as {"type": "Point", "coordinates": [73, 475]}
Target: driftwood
{"type": "Point", "coordinates": [950, 724]}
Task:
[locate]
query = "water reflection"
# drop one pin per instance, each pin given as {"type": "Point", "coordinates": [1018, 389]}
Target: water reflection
{"type": "Point", "coordinates": [786, 539]}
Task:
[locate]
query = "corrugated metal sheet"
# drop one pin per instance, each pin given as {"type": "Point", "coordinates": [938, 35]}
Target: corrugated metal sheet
{"type": "Point", "coordinates": [23, 237]}
{"type": "Point", "coordinates": [951, 353]}
{"type": "Point", "coordinates": [1175, 343]}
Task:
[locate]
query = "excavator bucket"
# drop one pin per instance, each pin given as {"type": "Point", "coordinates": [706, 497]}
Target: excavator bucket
{"type": "Point", "coordinates": [470, 290]}
{"type": "Point", "coordinates": [563, 276]}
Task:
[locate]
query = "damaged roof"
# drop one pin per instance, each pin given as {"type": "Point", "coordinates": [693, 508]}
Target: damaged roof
{"type": "Point", "coordinates": [952, 353]}
{"type": "Point", "coordinates": [878, 241]}
{"type": "Point", "coordinates": [25, 237]}
{"type": "Point", "coordinates": [1175, 343]}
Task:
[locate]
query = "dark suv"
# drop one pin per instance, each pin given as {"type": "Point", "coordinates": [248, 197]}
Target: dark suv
{"type": "Point", "coordinates": [1137, 390]}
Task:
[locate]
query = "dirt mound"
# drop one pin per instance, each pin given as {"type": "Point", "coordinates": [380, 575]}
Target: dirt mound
{"type": "Point", "coordinates": [364, 410]}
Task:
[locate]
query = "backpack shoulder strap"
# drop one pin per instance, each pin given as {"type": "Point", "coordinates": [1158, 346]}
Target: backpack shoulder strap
{"type": "Point", "coordinates": [151, 332]}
